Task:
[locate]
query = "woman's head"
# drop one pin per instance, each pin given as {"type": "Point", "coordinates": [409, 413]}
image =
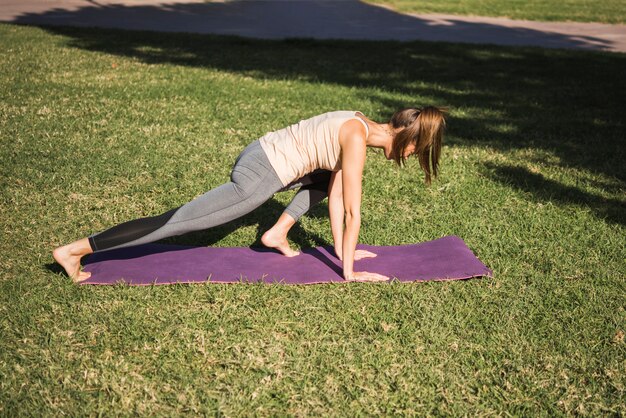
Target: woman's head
{"type": "Point", "coordinates": [422, 128]}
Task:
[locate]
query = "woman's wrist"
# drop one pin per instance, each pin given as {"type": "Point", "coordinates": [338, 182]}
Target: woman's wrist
{"type": "Point", "coordinates": [338, 250]}
{"type": "Point", "coordinates": [348, 268]}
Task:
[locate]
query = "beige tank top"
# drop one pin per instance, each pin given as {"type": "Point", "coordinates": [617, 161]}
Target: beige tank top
{"type": "Point", "coordinates": [308, 145]}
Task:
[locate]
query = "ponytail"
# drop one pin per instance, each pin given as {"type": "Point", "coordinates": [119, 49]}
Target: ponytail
{"type": "Point", "coordinates": [423, 127]}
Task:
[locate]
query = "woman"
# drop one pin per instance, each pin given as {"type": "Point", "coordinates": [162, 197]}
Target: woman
{"type": "Point", "coordinates": [323, 156]}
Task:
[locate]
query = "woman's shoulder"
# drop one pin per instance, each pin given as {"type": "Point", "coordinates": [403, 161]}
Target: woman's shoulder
{"type": "Point", "coordinates": [338, 114]}
{"type": "Point", "coordinates": [340, 118]}
{"type": "Point", "coordinates": [333, 118]}
{"type": "Point", "coordinates": [345, 113]}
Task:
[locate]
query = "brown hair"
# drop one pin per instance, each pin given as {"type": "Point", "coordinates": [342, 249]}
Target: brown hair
{"type": "Point", "coordinates": [423, 127]}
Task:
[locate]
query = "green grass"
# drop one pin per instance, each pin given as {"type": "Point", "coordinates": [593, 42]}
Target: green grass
{"type": "Point", "coordinates": [102, 126]}
{"type": "Point", "coordinates": [608, 11]}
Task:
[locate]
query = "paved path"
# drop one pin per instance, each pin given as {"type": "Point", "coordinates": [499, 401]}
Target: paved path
{"type": "Point", "coordinates": [321, 19]}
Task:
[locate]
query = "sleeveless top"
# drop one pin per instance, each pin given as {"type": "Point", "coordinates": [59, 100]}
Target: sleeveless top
{"type": "Point", "coordinates": [308, 145]}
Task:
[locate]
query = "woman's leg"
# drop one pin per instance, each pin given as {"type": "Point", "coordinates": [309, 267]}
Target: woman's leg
{"type": "Point", "coordinates": [68, 256]}
{"type": "Point", "coordinates": [313, 189]}
{"type": "Point", "coordinates": [253, 181]}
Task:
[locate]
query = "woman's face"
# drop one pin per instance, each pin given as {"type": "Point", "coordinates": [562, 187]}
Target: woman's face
{"type": "Point", "coordinates": [409, 150]}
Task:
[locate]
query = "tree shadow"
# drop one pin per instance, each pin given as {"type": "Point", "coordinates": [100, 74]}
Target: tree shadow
{"type": "Point", "coordinates": [569, 104]}
{"type": "Point", "coordinates": [566, 104]}
{"type": "Point", "coordinates": [546, 190]}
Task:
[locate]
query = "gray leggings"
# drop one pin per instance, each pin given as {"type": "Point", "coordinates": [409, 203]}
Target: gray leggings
{"type": "Point", "coordinates": [253, 182]}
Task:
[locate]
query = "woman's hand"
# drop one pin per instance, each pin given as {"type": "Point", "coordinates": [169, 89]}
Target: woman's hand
{"type": "Point", "coordinates": [365, 276]}
{"type": "Point", "coordinates": [358, 254]}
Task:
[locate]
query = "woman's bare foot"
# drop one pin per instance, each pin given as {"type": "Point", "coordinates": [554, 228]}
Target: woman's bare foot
{"type": "Point", "coordinates": [276, 236]}
{"type": "Point", "coordinates": [68, 256]}
{"type": "Point", "coordinates": [275, 239]}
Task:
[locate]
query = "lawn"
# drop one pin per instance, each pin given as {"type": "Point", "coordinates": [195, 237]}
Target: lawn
{"type": "Point", "coordinates": [608, 11]}
{"type": "Point", "coordinates": [102, 126]}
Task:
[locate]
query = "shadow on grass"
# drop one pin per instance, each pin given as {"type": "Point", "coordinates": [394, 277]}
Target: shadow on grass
{"type": "Point", "coordinates": [567, 103]}
{"type": "Point", "coordinates": [546, 190]}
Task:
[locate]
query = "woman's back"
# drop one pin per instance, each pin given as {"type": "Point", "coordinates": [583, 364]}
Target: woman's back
{"type": "Point", "coordinates": [308, 145]}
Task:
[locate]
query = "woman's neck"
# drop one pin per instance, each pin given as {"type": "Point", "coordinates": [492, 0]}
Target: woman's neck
{"type": "Point", "coordinates": [380, 136]}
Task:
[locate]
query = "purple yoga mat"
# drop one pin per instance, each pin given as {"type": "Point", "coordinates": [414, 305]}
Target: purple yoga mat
{"type": "Point", "coordinates": [446, 258]}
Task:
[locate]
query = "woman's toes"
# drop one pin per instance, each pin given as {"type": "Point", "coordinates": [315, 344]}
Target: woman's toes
{"type": "Point", "coordinates": [83, 275]}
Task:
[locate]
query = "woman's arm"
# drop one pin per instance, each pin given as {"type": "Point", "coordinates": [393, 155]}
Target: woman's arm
{"type": "Point", "coordinates": [353, 160]}
{"type": "Point", "coordinates": [353, 149]}
{"type": "Point", "coordinates": [336, 211]}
